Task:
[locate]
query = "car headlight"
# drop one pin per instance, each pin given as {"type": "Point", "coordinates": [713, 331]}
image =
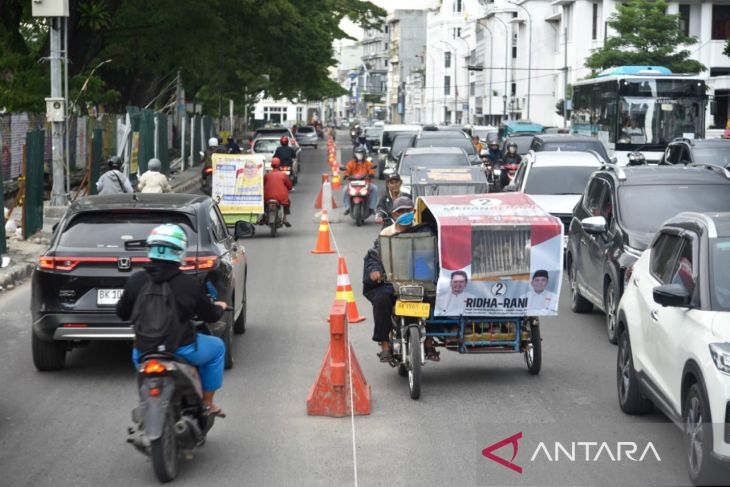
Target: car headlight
{"type": "Point", "coordinates": [721, 356]}
{"type": "Point", "coordinates": [410, 293]}
{"type": "Point", "coordinates": [497, 172]}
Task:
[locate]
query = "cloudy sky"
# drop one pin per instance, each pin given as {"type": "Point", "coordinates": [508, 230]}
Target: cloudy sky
{"type": "Point", "coordinates": [389, 5]}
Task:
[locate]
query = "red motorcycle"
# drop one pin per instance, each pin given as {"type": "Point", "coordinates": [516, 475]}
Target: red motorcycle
{"type": "Point", "coordinates": [358, 190]}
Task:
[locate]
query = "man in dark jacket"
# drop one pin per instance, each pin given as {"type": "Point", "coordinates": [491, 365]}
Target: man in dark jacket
{"type": "Point", "coordinates": [385, 204]}
{"type": "Point", "coordinates": [286, 154]}
{"type": "Point", "coordinates": [167, 245]}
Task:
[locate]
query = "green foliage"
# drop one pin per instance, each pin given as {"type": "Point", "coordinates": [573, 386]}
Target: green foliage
{"type": "Point", "coordinates": [727, 48]}
{"type": "Point", "coordinates": [646, 35]}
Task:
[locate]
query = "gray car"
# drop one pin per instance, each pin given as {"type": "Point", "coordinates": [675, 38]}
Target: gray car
{"type": "Point", "coordinates": [307, 135]}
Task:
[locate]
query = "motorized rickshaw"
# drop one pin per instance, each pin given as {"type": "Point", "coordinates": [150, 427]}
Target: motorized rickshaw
{"type": "Point", "coordinates": [474, 276]}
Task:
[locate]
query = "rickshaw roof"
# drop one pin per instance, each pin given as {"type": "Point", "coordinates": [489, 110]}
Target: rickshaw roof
{"type": "Point", "coordinates": [485, 209]}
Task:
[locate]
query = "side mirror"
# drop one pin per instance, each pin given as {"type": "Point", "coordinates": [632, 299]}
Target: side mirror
{"type": "Point", "coordinates": [672, 295]}
{"type": "Point", "coordinates": [342, 168]}
{"type": "Point", "coordinates": [243, 229]}
{"type": "Point", "coordinates": [510, 187]}
{"type": "Point", "coordinates": [202, 154]}
{"type": "Point", "coordinates": [614, 160]}
{"type": "Point", "coordinates": [594, 225]}
{"type": "Point", "coordinates": [383, 150]}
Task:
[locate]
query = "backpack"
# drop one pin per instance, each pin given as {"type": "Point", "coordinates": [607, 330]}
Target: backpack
{"type": "Point", "coordinates": [156, 325]}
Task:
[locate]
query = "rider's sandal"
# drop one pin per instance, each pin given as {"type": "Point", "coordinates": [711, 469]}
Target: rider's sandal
{"type": "Point", "coordinates": [287, 224]}
{"type": "Point", "coordinates": [218, 412]}
{"type": "Point", "coordinates": [385, 356]}
{"type": "Point", "coordinates": [433, 355]}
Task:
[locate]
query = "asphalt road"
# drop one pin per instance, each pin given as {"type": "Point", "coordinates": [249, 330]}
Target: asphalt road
{"type": "Point", "coordinates": [68, 428]}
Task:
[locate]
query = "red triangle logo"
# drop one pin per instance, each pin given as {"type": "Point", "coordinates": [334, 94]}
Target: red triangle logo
{"type": "Point", "coordinates": [512, 440]}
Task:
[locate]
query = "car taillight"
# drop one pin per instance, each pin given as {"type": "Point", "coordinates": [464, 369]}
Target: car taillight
{"type": "Point", "coordinates": [66, 264]}
{"type": "Point", "coordinates": [154, 367]}
{"type": "Point", "coordinates": [76, 325]}
{"type": "Point", "coordinates": [155, 391]}
{"type": "Point", "coordinates": [199, 263]}
{"type": "Point", "coordinates": [208, 170]}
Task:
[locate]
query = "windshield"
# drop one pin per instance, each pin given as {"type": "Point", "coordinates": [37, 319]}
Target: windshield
{"type": "Point", "coordinates": [645, 208]}
{"type": "Point", "coordinates": [658, 121]}
{"type": "Point", "coordinates": [460, 142]}
{"type": "Point", "coordinates": [373, 132]}
{"type": "Point", "coordinates": [558, 180]}
{"type": "Point", "coordinates": [719, 277]}
{"type": "Point", "coordinates": [389, 135]}
{"type": "Point", "coordinates": [272, 133]}
{"type": "Point", "coordinates": [305, 130]}
{"type": "Point", "coordinates": [408, 162]}
{"type": "Point", "coordinates": [576, 146]}
{"type": "Point", "coordinates": [265, 145]}
{"type": "Point", "coordinates": [401, 143]}
{"type": "Point", "coordinates": [717, 156]}
{"type": "Point", "coordinates": [110, 230]}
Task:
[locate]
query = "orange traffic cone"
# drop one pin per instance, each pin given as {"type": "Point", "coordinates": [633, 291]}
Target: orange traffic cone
{"type": "Point", "coordinates": [318, 201]}
{"type": "Point", "coordinates": [323, 239]}
{"type": "Point", "coordinates": [336, 179]}
{"type": "Point", "coordinates": [344, 291]}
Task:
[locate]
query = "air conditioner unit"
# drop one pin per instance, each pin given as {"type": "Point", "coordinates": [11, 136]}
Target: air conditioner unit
{"type": "Point", "coordinates": [55, 109]}
{"type": "Point", "coordinates": [49, 8]}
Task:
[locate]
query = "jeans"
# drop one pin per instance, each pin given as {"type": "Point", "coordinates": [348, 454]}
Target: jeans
{"type": "Point", "coordinates": [208, 358]}
{"type": "Point", "coordinates": [372, 197]}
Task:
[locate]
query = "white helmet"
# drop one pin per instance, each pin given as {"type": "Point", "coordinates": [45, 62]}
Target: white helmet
{"type": "Point", "coordinates": [212, 142]}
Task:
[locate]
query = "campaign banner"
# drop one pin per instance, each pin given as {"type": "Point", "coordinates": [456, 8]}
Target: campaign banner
{"type": "Point", "coordinates": [500, 256]}
{"type": "Point", "coordinates": [238, 183]}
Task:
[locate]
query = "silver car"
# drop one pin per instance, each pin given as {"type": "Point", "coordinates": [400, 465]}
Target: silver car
{"type": "Point", "coordinates": [307, 135]}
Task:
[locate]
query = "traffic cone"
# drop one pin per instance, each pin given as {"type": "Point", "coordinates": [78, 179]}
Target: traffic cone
{"type": "Point", "coordinates": [336, 179]}
{"type": "Point", "coordinates": [323, 239]}
{"type": "Point", "coordinates": [344, 291]}
{"type": "Point", "coordinates": [318, 201]}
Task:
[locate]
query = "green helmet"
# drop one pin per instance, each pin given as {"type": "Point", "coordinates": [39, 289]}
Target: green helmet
{"type": "Point", "coordinates": [167, 242]}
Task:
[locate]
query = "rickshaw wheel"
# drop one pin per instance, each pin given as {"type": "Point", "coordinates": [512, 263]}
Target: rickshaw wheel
{"type": "Point", "coordinates": [414, 364]}
{"type": "Point", "coordinates": [533, 355]}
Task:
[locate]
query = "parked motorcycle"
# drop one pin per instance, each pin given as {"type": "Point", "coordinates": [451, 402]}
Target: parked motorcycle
{"type": "Point", "coordinates": [358, 190]}
{"type": "Point", "coordinates": [171, 419]}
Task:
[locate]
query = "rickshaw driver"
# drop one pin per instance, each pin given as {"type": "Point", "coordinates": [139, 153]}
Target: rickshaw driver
{"type": "Point", "coordinates": [381, 293]}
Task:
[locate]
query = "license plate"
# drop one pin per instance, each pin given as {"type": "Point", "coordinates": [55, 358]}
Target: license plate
{"type": "Point", "coordinates": [108, 296]}
{"type": "Point", "coordinates": [416, 310]}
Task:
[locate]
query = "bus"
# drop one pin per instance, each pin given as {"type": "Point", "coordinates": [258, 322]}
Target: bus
{"type": "Point", "coordinates": [639, 108]}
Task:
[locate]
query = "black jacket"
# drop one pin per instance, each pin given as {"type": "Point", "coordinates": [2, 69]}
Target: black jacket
{"type": "Point", "coordinates": [385, 203]}
{"type": "Point", "coordinates": [191, 299]}
{"type": "Point", "coordinates": [285, 154]}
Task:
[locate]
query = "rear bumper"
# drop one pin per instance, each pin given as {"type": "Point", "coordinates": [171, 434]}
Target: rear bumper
{"type": "Point", "coordinates": [99, 326]}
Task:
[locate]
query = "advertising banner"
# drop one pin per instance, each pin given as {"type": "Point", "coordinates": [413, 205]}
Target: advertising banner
{"type": "Point", "coordinates": [238, 183]}
{"type": "Point", "coordinates": [501, 255]}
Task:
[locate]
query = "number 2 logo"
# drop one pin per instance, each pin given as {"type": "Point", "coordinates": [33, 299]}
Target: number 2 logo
{"type": "Point", "coordinates": [499, 289]}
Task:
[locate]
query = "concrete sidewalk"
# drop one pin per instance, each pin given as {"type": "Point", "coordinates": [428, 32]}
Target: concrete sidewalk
{"type": "Point", "coordinates": [23, 254]}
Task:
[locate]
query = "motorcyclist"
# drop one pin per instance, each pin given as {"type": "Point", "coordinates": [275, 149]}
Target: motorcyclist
{"type": "Point", "coordinates": [381, 293]}
{"type": "Point", "coordinates": [286, 155]}
{"type": "Point", "coordinates": [362, 141]}
{"type": "Point", "coordinates": [277, 186]}
{"type": "Point", "coordinates": [153, 181]}
{"type": "Point", "coordinates": [114, 181]}
{"type": "Point", "coordinates": [495, 153]}
{"type": "Point", "coordinates": [232, 147]}
{"type": "Point", "coordinates": [360, 167]}
{"type": "Point", "coordinates": [385, 203]}
{"type": "Point", "coordinates": [167, 245]}
{"type": "Point", "coordinates": [511, 157]}
{"type": "Point", "coordinates": [477, 143]}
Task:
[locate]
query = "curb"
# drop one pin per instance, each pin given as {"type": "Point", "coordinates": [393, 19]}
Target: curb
{"type": "Point", "coordinates": [15, 275]}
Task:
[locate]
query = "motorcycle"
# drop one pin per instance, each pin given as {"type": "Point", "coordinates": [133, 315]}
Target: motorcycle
{"type": "Point", "coordinates": [358, 190]}
{"type": "Point", "coordinates": [509, 169]}
{"type": "Point", "coordinates": [171, 419]}
{"type": "Point", "coordinates": [292, 174]}
{"type": "Point", "coordinates": [274, 216]}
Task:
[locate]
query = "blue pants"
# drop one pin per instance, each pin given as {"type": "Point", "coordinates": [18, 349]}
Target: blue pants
{"type": "Point", "coordinates": [209, 358]}
{"type": "Point", "coordinates": [372, 197]}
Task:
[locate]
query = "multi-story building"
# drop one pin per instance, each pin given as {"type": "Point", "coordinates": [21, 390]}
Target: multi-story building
{"type": "Point", "coordinates": [374, 71]}
{"type": "Point", "coordinates": [407, 41]}
{"type": "Point", "coordinates": [347, 74]}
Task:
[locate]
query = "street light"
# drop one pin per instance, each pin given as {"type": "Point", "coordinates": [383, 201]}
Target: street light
{"type": "Point", "coordinates": [529, 57]}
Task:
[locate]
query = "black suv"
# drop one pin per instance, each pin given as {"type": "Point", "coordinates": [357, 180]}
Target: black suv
{"type": "Point", "coordinates": [559, 142]}
{"type": "Point", "coordinates": [704, 151]}
{"type": "Point", "coordinates": [616, 218]}
{"type": "Point", "coordinates": [100, 242]}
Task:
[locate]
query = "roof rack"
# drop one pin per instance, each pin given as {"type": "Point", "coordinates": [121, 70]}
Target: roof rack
{"type": "Point", "coordinates": [617, 169]}
{"type": "Point", "coordinates": [723, 171]}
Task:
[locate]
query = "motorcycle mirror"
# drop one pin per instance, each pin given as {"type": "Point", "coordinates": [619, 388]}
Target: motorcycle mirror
{"type": "Point", "coordinates": [202, 154]}
{"type": "Point", "coordinates": [342, 168]}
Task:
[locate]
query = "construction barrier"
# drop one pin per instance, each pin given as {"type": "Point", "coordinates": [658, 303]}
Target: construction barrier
{"type": "Point", "coordinates": [318, 201]}
{"type": "Point", "coordinates": [340, 377]}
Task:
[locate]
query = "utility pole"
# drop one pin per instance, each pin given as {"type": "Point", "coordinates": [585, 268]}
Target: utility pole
{"type": "Point", "coordinates": [58, 194]}
{"type": "Point", "coordinates": [565, 80]}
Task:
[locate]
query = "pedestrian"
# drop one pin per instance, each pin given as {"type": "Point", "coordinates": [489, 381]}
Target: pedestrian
{"type": "Point", "coordinates": [153, 181]}
{"type": "Point", "coordinates": [113, 181]}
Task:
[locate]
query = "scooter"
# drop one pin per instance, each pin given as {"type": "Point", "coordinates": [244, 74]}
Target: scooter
{"type": "Point", "coordinates": [274, 216]}
{"type": "Point", "coordinates": [358, 190]}
{"type": "Point", "coordinates": [171, 419]}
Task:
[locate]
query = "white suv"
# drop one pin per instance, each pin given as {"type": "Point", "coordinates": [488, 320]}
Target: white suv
{"type": "Point", "coordinates": [674, 337]}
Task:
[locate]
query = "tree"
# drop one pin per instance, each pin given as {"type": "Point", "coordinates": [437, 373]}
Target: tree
{"type": "Point", "coordinates": [646, 35]}
{"type": "Point", "coordinates": [727, 48]}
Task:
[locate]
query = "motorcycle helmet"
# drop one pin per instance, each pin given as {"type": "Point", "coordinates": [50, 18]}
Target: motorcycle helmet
{"type": "Point", "coordinates": [275, 163]}
{"type": "Point", "coordinates": [493, 143]}
{"type": "Point", "coordinates": [167, 242]}
{"type": "Point", "coordinates": [284, 140]}
{"type": "Point", "coordinates": [359, 153]}
{"type": "Point", "coordinates": [511, 146]}
{"type": "Point", "coordinates": [213, 142]}
{"type": "Point", "coordinates": [114, 163]}
{"type": "Point", "coordinates": [154, 165]}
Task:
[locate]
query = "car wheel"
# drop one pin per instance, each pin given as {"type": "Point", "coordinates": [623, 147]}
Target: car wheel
{"type": "Point", "coordinates": [702, 468]}
{"type": "Point", "coordinates": [228, 341]}
{"type": "Point", "coordinates": [629, 395]}
{"type": "Point", "coordinates": [610, 304]}
{"type": "Point", "coordinates": [239, 327]}
{"type": "Point", "coordinates": [48, 355]}
{"type": "Point", "coordinates": [578, 303]}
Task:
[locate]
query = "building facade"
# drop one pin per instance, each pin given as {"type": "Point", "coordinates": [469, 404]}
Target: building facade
{"type": "Point", "coordinates": [375, 58]}
{"type": "Point", "coordinates": [407, 41]}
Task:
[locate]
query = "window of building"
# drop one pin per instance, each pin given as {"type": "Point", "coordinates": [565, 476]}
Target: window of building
{"type": "Point", "coordinates": [513, 89]}
{"type": "Point", "coordinates": [447, 115]}
{"type": "Point", "coordinates": [684, 18]}
{"type": "Point", "coordinates": [447, 85]}
{"type": "Point", "coordinates": [720, 22]}
{"type": "Point", "coordinates": [514, 52]}
{"type": "Point", "coordinates": [458, 6]}
{"type": "Point", "coordinates": [275, 114]}
{"type": "Point", "coordinates": [472, 88]}
{"type": "Point", "coordinates": [455, 32]}
{"type": "Point", "coordinates": [447, 60]}
{"type": "Point", "coordinates": [594, 31]}
{"type": "Point", "coordinates": [300, 113]}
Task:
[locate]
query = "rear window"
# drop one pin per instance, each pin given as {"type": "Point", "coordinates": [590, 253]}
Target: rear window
{"type": "Point", "coordinates": [265, 145]}
{"type": "Point", "coordinates": [305, 130]}
{"type": "Point", "coordinates": [460, 142]}
{"type": "Point", "coordinates": [389, 135]}
{"type": "Point", "coordinates": [272, 133]}
{"type": "Point", "coordinates": [578, 146]}
{"type": "Point", "coordinates": [120, 230]}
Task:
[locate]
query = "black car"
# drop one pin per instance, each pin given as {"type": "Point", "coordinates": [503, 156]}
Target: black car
{"type": "Point", "coordinates": [447, 138]}
{"type": "Point", "coordinates": [701, 151]}
{"type": "Point", "coordinates": [574, 143]}
{"type": "Point", "coordinates": [101, 241]}
{"type": "Point", "coordinates": [616, 218]}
